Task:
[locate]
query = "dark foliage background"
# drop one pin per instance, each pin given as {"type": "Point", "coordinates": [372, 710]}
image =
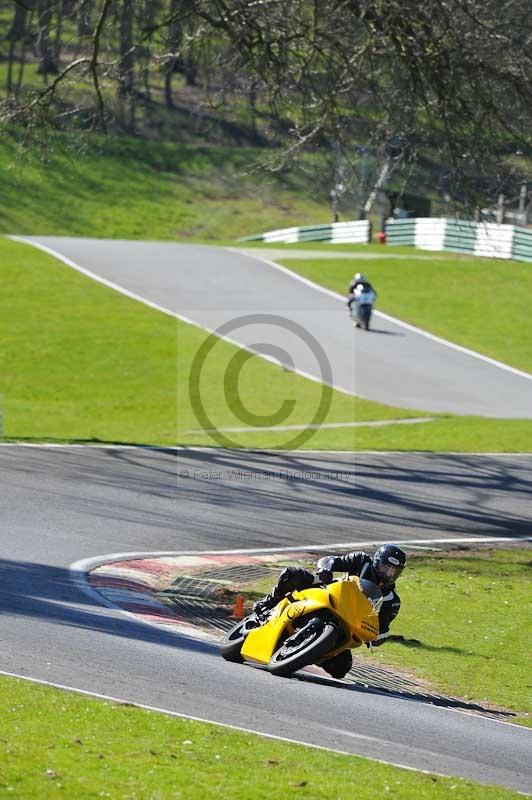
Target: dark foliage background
{"type": "Point", "coordinates": [446, 83]}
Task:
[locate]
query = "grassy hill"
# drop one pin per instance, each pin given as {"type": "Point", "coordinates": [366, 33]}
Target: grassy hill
{"type": "Point", "coordinates": [133, 189]}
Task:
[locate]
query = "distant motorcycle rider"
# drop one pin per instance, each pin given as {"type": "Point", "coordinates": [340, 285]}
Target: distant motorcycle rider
{"type": "Point", "coordinates": [383, 568]}
{"type": "Point", "coordinates": [362, 282]}
{"type": "Point", "coordinates": [361, 292]}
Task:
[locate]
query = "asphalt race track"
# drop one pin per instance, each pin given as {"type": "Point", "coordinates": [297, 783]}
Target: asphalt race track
{"type": "Point", "coordinates": [393, 364]}
{"type": "Point", "coordinates": [59, 505]}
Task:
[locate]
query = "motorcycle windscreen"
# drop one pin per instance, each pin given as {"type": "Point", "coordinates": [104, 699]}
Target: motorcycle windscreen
{"type": "Point", "coordinates": [372, 592]}
{"type": "Point", "coordinates": [350, 602]}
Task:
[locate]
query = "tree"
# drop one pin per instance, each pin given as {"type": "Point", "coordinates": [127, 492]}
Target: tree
{"type": "Point", "coordinates": [447, 77]}
{"type": "Point", "coordinates": [47, 51]}
{"type": "Point", "coordinates": [446, 80]}
{"type": "Point", "coordinates": [16, 35]}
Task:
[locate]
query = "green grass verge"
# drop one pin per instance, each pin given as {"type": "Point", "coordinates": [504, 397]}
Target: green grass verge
{"type": "Point", "coordinates": [55, 744]}
{"type": "Point", "coordinates": [80, 361]}
{"type": "Point", "coordinates": [452, 435]}
{"type": "Point", "coordinates": [471, 617]}
{"type": "Point", "coordinates": [133, 189]}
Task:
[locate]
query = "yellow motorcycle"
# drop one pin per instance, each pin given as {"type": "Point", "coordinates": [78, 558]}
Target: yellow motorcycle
{"type": "Point", "coordinates": [308, 626]}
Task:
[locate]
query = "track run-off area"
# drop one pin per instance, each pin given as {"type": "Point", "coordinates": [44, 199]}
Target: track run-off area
{"type": "Point", "coordinates": [61, 505]}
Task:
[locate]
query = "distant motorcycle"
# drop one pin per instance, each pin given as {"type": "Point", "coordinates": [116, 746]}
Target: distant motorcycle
{"type": "Point", "coordinates": [360, 304]}
{"type": "Point", "coordinates": [308, 626]}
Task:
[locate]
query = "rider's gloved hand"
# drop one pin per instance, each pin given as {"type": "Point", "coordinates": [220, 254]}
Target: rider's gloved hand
{"type": "Point", "coordinates": [324, 575]}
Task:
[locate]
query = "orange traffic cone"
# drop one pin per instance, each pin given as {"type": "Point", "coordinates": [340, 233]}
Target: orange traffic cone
{"type": "Point", "coordinates": [238, 608]}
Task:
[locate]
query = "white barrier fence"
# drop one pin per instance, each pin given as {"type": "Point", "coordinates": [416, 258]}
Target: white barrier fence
{"type": "Point", "coordinates": [354, 232]}
{"type": "Point", "coordinates": [487, 239]}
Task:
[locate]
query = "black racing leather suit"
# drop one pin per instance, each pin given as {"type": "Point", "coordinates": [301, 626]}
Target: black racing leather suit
{"type": "Point", "coordinates": [366, 284]}
{"type": "Point", "coordinates": [356, 563]}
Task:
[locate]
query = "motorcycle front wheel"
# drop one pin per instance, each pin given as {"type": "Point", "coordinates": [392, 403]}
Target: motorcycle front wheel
{"type": "Point", "coordinates": [234, 639]}
{"type": "Point", "coordinates": [305, 647]}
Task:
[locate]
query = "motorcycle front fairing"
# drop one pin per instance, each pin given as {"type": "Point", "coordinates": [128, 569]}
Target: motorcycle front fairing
{"type": "Point", "coordinates": [261, 643]}
{"type": "Point", "coordinates": [345, 600]}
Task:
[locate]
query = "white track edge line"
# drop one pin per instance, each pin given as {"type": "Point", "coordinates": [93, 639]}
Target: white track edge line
{"type": "Point", "coordinates": [181, 715]}
{"type": "Point", "coordinates": [264, 450]}
{"type": "Point", "coordinates": [494, 362]}
{"type": "Point", "coordinates": [325, 425]}
{"type": "Point", "coordinates": [86, 564]}
{"type": "Point", "coordinates": [111, 285]}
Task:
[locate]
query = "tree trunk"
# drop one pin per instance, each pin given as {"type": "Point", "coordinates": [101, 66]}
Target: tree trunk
{"type": "Point", "coordinates": [59, 31]}
{"type": "Point", "coordinates": [47, 62]}
{"type": "Point", "coordinates": [150, 11]}
{"type": "Point", "coordinates": [253, 106]}
{"type": "Point", "coordinates": [126, 65]}
{"type": "Point", "coordinates": [17, 33]}
{"type": "Point", "coordinates": [9, 76]}
{"type": "Point", "coordinates": [190, 67]}
{"type": "Point", "coordinates": [174, 40]}
{"type": "Point", "coordinates": [22, 64]}
{"type": "Point", "coordinates": [86, 9]}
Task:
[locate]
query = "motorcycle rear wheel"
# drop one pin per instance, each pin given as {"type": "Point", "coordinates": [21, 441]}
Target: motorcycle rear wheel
{"type": "Point", "coordinates": [365, 316]}
{"type": "Point", "coordinates": [288, 659]}
{"type": "Point", "coordinates": [234, 639]}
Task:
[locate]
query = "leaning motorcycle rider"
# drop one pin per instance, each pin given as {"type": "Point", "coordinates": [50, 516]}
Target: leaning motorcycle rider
{"type": "Point", "coordinates": [383, 568]}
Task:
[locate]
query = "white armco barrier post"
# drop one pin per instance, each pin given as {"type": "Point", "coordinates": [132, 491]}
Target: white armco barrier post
{"type": "Point", "coordinates": [350, 232]}
{"type": "Point", "coordinates": [430, 233]}
{"type": "Point", "coordinates": [493, 240]}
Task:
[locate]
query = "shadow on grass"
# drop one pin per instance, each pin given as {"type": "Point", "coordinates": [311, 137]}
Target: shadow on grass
{"type": "Point", "coordinates": [417, 697]}
{"type": "Point", "coordinates": [417, 644]}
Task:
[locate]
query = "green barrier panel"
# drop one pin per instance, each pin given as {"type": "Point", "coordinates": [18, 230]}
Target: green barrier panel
{"type": "Point", "coordinates": [309, 228]}
{"type": "Point", "coordinates": [460, 236]}
{"type": "Point", "coordinates": [522, 244]}
{"type": "Point", "coordinates": [523, 238]}
{"type": "Point", "coordinates": [400, 231]}
{"type": "Point", "coordinates": [522, 253]}
{"type": "Point", "coordinates": [314, 236]}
